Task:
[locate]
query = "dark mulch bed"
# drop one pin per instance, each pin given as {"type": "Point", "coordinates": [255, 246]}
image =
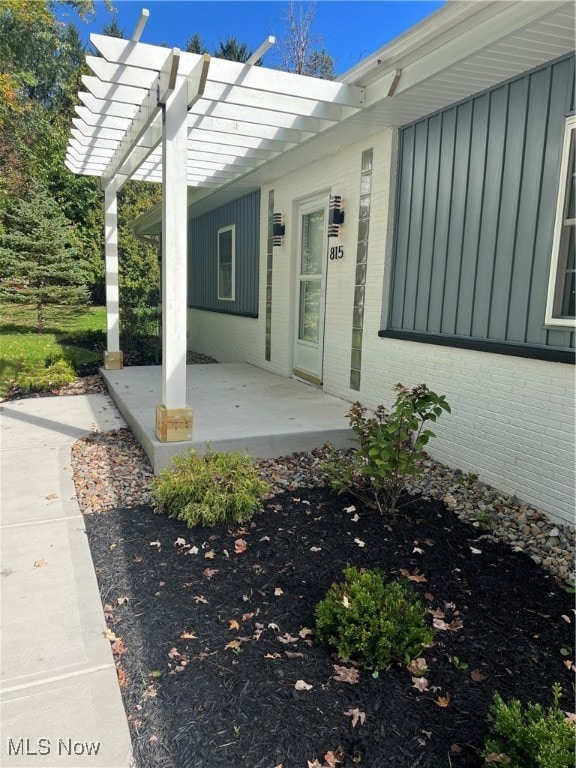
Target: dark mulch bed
{"type": "Point", "coordinates": [196, 703]}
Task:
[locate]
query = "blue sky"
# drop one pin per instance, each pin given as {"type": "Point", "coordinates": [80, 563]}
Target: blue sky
{"type": "Point", "coordinates": [352, 29]}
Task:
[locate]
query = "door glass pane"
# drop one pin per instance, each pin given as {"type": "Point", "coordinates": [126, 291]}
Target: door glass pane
{"type": "Point", "coordinates": [312, 243]}
{"type": "Point", "coordinates": [310, 295]}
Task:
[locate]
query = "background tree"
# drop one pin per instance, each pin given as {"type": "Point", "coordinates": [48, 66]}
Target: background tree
{"type": "Point", "coordinates": [195, 44]}
{"type": "Point", "coordinates": [298, 48]}
{"type": "Point", "coordinates": [39, 256]}
{"type": "Point", "coordinates": [232, 50]}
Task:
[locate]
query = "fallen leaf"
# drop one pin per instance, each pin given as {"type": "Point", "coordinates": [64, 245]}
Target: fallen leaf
{"type": "Point", "coordinates": [315, 549]}
{"type": "Point", "coordinates": [52, 496]}
{"type": "Point", "coordinates": [414, 575]}
{"type": "Point", "coordinates": [278, 592]}
{"type": "Point", "coordinates": [293, 655]}
{"type": "Point", "coordinates": [454, 626]}
{"type": "Point", "coordinates": [357, 715]}
{"type": "Point", "coordinates": [264, 538]}
{"type": "Point", "coordinates": [360, 542]}
{"type": "Point", "coordinates": [209, 572]}
{"type": "Point", "coordinates": [119, 647]}
{"type": "Point", "coordinates": [456, 748]}
{"type": "Point", "coordinates": [200, 598]}
{"type": "Point", "coordinates": [351, 508]}
{"type": "Point", "coordinates": [210, 555]}
{"type": "Point", "coordinates": [157, 544]}
{"type": "Point", "coordinates": [247, 616]}
{"type": "Point", "coordinates": [122, 677]}
{"type": "Point", "coordinates": [355, 518]}
{"type": "Point", "coordinates": [233, 624]}
{"type": "Point", "coordinates": [477, 676]}
{"type": "Point", "coordinates": [346, 674]}
{"type": "Point", "coordinates": [301, 685]}
{"type": "Point", "coordinates": [566, 618]}
{"type": "Point", "coordinates": [570, 718]}
{"type": "Point", "coordinates": [240, 546]}
{"type": "Point", "coordinates": [428, 596]}
{"type": "Point", "coordinates": [273, 656]}
{"type": "Point", "coordinates": [193, 551]}
{"type": "Point", "coordinates": [475, 551]}
{"type": "Point", "coordinates": [418, 551]}
{"type": "Point", "coordinates": [287, 638]}
{"type": "Point", "coordinates": [174, 653]}
{"type": "Point", "coordinates": [418, 666]}
{"type": "Point", "coordinates": [568, 664]}
{"type": "Point", "coordinates": [180, 542]}
{"type": "Point", "coordinates": [334, 758]}
{"type": "Point", "coordinates": [345, 601]}
{"type": "Point", "coordinates": [443, 701]}
{"type": "Point", "coordinates": [121, 600]}
{"type": "Point", "coordinates": [495, 757]}
{"type": "Point", "coordinates": [188, 636]}
{"type": "Point", "coordinates": [137, 559]}
{"type": "Point", "coordinates": [304, 632]}
{"type": "Point", "coordinates": [420, 683]}
{"type": "Point", "coordinates": [233, 644]}
{"type": "Point", "coordinates": [314, 764]}
{"type": "Point", "coordinates": [40, 563]}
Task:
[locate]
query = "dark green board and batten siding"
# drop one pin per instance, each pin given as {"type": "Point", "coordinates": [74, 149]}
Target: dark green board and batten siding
{"type": "Point", "coordinates": [203, 257]}
{"type": "Point", "coordinates": [477, 193]}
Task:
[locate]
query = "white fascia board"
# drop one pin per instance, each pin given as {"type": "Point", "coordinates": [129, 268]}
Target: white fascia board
{"type": "Point", "coordinates": [110, 108]}
{"type": "Point", "coordinates": [504, 21]}
{"type": "Point", "coordinates": [117, 73]}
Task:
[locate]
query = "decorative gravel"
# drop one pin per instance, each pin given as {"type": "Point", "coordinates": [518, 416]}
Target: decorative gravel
{"type": "Point", "coordinates": [111, 471]}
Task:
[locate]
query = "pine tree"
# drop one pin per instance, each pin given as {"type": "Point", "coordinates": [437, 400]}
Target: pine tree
{"type": "Point", "coordinates": [39, 256]}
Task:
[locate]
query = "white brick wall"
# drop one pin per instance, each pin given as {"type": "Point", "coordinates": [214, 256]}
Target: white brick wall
{"type": "Point", "coordinates": [512, 418]}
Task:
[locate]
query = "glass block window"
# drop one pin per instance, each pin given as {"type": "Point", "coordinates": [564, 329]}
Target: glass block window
{"type": "Point", "coordinates": [361, 261]}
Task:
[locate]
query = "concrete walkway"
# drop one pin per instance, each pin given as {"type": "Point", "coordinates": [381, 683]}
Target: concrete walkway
{"type": "Point", "coordinates": [60, 701]}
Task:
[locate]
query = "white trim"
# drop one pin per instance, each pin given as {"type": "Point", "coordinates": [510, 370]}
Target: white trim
{"type": "Point", "coordinates": [551, 301]}
{"type": "Point", "coordinates": [230, 228]}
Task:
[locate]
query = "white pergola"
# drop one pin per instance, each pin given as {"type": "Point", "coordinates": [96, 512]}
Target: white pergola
{"type": "Point", "coordinates": [186, 120]}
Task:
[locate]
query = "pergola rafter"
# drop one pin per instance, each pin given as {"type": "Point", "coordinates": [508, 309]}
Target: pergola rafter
{"type": "Point", "coordinates": [185, 120]}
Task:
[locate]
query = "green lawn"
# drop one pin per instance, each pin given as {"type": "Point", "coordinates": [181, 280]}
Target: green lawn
{"type": "Point", "coordinates": [76, 335]}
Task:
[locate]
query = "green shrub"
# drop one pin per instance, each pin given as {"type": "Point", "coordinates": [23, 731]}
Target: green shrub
{"type": "Point", "coordinates": [534, 737]}
{"type": "Point", "coordinates": [55, 373]}
{"type": "Point", "coordinates": [209, 489]}
{"type": "Point", "coordinates": [390, 446]}
{"type": "Point", "coordinates": [371, 621]}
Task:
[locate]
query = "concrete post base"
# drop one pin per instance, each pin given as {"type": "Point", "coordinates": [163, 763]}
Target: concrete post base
{"type": "Point", "coordinates": [113, 361]}
{"type": "Point", "coordinates": [174, 424]}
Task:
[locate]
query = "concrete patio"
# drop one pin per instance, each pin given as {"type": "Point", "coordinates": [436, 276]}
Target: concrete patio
{"type": "Point", "coordinates": [235, 406]}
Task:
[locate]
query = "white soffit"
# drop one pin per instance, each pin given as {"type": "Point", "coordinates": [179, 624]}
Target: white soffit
{"type": "Point", "coordinates": [239, 115]}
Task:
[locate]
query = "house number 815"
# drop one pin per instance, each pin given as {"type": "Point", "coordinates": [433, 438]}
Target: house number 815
{"type": "Point", "coordinates": [336, 252]}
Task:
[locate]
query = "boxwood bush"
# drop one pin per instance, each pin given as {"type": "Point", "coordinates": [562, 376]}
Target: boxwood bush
{"type": "Point", "coordinates": [531, 736]}
{"type": "Point", "coordinates": [373, 622]}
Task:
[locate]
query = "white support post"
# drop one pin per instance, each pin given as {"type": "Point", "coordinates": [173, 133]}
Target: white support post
{"type": "Point", "coordinates": [113, 358]}
{"type": "Point", "coordinates": [173, 416]}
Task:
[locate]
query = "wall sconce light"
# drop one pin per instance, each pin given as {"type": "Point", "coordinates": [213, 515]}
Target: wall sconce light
{"type": "Point", "coordinates": [278, 229]}
{"type": "Point", "coordinates": [335, 216]}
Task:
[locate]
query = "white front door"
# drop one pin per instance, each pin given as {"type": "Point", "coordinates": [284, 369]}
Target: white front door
{"type": "Point", "coordinates": [310, 289]}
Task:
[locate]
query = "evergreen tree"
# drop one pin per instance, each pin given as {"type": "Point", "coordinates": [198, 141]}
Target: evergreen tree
{"type": "Point", "coordinates": [195, 44]}
{"type": "Point", "coordinates": [232, 50]}
{"type": "Point", "coordinates": [39, 256]}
